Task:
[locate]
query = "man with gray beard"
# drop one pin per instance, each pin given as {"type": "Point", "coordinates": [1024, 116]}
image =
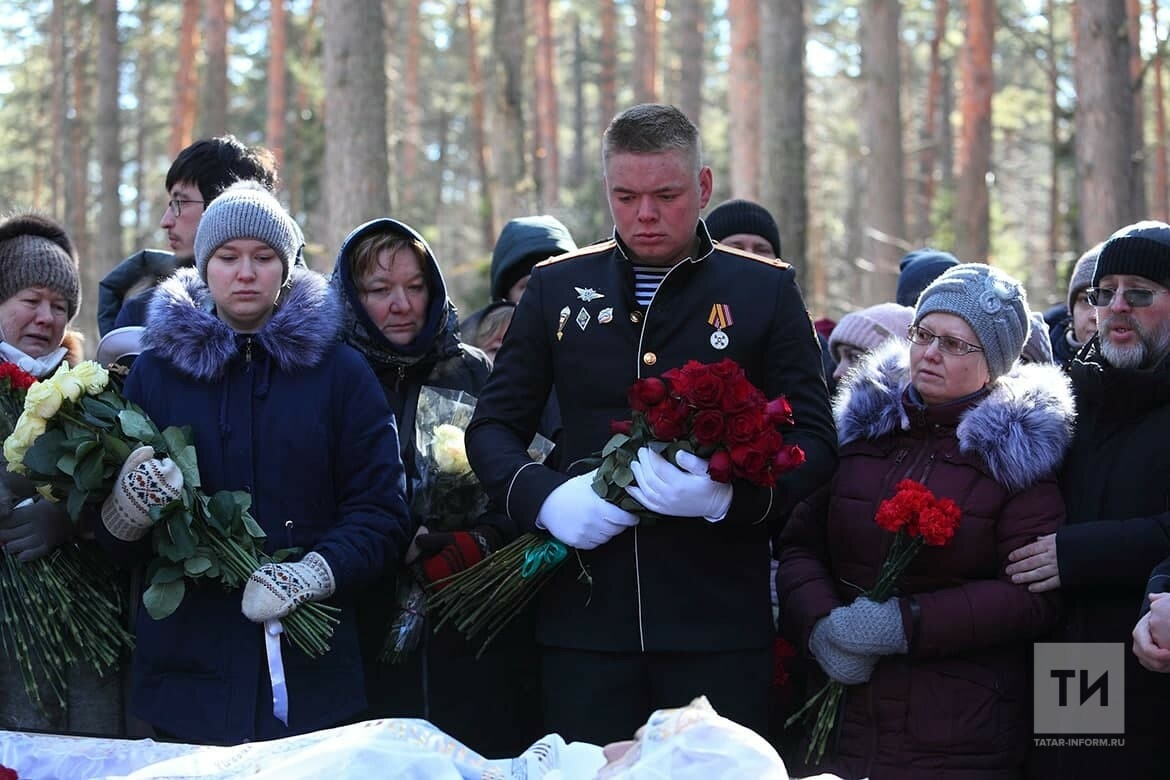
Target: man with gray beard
{"type": "Point", "coordinates": [1116, 485]}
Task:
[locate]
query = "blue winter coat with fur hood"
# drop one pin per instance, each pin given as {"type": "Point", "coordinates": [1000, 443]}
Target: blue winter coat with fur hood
{"type": "Point", "coordinates": [958, 703]}
{"type": "Point", "coordinates": [298, 420]}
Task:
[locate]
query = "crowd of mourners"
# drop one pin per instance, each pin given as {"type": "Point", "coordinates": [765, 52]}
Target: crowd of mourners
{"type": "Point", "coordinates": [303, 390]}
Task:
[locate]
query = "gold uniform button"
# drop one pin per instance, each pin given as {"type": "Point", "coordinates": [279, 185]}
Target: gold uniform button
{"type": "Point", "coordinates": [635, 317]}
{"type": "Point", "coordinates": [649, 358]}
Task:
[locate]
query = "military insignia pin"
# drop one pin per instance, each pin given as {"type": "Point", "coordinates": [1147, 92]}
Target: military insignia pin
{"type": "Point", "coordinates": [605, 316]}
{"type": "Point", "coordinates": [720, 318]}
{"type": "Point", "coordinates": [582, 318]}
{"type": "Point", "coordinates": [588, 294]}
{"type": "Point", "coordinates": [561, 324]}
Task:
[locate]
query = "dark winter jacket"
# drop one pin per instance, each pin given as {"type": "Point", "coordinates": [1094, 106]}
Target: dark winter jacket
{"type": "Point", "coordinates": [297, 420]}
{"type": "Point", "coordinates": [1116, 484]}
{"type": "Point", "coordinates": [129, 284]}
{"type": "Point", "coordinates": [452, 688]}
{"type": "Point", "coordinates": [957, 704]}
{"type": "Point", "coordinates": [684, 584]}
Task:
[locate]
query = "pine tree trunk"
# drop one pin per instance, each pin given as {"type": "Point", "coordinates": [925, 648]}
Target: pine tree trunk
{"type": "Point", "coordinates": [546, 165]}
{"type": "Point", "coordinates": [213, 110]}
{"type": "Point", "coordinates": [883, 206]}
{"type": "Point", "coordinates": [357, 171]}
{"type": "Point", "coordinates": [743, 89]}
{"type": "Point", "coordinates": [972, 207]}
{"type": "Point", "coordinates": [646, 13]}
{"type": "Point", "coordinates": [277, 90]}
{"type": "Point", "coordinates": [1160, 209]}
{"type": "Point", "coordinates": [183, 99]}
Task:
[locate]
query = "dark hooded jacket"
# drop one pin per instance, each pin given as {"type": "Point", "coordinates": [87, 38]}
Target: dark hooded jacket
{"type": "Point", "coordinates": [436, 357]}
{"type": "Point", "coordinates": [957, 704]}
{"type": "Point", "coordinates": [296, 419]}
{"type": "Point", "coordinates": [1116, 484]}
{"type": "Point", "coordinates": [451, 688]}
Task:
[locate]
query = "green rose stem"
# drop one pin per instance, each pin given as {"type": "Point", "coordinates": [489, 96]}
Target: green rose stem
{"type": "Point", "coordinates": [482, 599]}
{"type": "Point", "coordinates": [309, 626]}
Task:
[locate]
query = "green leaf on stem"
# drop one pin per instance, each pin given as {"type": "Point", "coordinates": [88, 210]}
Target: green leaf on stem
{"type": "Point", "coordinates": [42, 455]}
{"type": "Point", "coordinates": [101, 413]}
{"type": "Point", "coordinates": [75, 504]}
{"type": "Point", "coordinates": [88, 473]}
{"type": "Point", "coordinates": [161, 572]}
{"type": "Point", "coordinates": [163, 598]}
{"type": "Point", "coordinates": [67, 464]}
{"type": "Point", "coordinates": [182, 539]}
{"type": "Point", "coordinates": [196, 565]}
{"type": "Point", "coordinates": [137, 426]}
{"type": "Point", "coordinates": [615, 442]}
{"type": "Point", "coordinates": [221, 512]}
{"type": "Point", "coordinates": [116, 449]}
{"type": "Point", "coordinates": [623, 477]}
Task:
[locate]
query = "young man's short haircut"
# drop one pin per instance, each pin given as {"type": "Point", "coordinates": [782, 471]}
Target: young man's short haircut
{"type": "Point", "coordinates": [214, 164]}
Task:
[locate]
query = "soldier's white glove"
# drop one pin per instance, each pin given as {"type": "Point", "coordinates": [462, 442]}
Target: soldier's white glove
{"type": "Point", "coordinates": [276, 589]}
{"type": "Point", "coordinates": [142, 483]}
{"type": "Point", "coordinates": [678, 491]}
{"type": "Point", "coordinates": [580, 518]}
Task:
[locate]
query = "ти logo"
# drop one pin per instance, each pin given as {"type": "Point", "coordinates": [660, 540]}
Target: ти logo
{"type": "Point", "coordinates": [1079, 688]}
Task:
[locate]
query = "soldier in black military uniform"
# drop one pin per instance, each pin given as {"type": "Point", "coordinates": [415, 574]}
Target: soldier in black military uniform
{"type": "Point", "coordinates": [679, 608]}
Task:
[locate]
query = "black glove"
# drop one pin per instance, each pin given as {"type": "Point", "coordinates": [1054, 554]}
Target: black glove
{"type": "Point", "coordinates": [447, 553]}
{"type": "Point", "coordinates": [34, 530]}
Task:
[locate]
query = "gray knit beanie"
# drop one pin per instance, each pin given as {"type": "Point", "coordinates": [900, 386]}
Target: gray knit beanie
{"type": "Point", "coordinates": [991, 302]}
{"type": "Point", "coordinates": [247, 210]}
{"type": "Point", "coordinates": [1082, 275]}
{"type": "Point", "coordinates": [1140, 249]}
{"type": "Point", "coordinates": [35, 251]}
{"type": "Point", "coordinates": [868, 328]}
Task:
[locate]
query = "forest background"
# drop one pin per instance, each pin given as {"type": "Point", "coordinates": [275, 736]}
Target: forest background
{"type": "Point", "coordinates": [1018, 132]}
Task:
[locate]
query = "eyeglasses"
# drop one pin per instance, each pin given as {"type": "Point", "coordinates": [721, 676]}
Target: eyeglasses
{"type": "Point", "coordinates": [948, 344]}
{"type": "Point", "coordinates": [176, 205]}
{"type": "Point", "coordinates": [1136, 297]}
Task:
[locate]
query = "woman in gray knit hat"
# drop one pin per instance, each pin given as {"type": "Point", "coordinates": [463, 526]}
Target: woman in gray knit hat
{"type": "Point", "coordinates": [937, 674]}
{"type": "Point", "coordinates": [245, 349]}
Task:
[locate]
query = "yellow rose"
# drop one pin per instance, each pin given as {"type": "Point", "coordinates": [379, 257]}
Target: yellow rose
{"type": "Point", "coordinates": [14, 450]}
{"type": "Point", "coordinates": [70, 386]}
{"type": "Point", "coordinates": [28, 428]}
{"type": "Point", "coordinates": [92, 375]}
{"type": "Point", "coordinates": [44, 399]}
{"type": "Point", "coordinates": [448, 450]}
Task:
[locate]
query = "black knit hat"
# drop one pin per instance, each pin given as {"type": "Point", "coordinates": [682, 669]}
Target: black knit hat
{"type": "Point", "coordinates": [35, 251]}
{"type": "Point", "coordinates": [1140, 249]}
{"type": "Point", "coordinates": [918, 269]}
{"type": "Point", "coordinates": [524, 242]}
{"type": "Point", "coordinates": [742, 216]}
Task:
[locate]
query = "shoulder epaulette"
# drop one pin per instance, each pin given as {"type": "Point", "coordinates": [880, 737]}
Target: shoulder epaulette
{"type": "Point", "coordinates": [772, 261]}
{"type": "Point", "coordinates": [592, 249]}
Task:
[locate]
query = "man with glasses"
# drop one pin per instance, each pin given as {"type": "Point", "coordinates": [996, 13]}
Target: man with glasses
{"type": "Point", "coordinates": [196, 177]}
{"type": "Point", "coordinates": [1116, 485]}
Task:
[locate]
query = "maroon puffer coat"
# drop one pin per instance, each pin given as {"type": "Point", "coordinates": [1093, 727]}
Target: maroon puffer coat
{"type": "Point", "coordinates": [958, 704]}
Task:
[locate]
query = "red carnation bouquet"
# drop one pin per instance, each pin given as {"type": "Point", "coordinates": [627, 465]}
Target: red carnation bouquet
{"type": "Point", "coordinates": [710, 410]}
{"type": "Point", "coordinates": [916, 517]}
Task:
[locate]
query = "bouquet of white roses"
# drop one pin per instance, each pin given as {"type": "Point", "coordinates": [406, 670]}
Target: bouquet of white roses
{"type": "Point", "coordinates": [75, 433]}
{"type": "Point", "coordinates": [447, 497]}
{"type": "Point", "coordinates": [61, 609]}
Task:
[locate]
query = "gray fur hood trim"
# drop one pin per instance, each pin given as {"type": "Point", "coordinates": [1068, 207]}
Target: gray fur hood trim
{"type": "Point", "coordinates": [181, 325]}
{"type": "Point", "coordinates": [1021, 429]}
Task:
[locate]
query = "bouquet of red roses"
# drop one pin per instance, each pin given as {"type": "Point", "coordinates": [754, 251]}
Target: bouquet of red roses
{"type": "Point", "coordinates": [710, 410]}
{"type": "Point", "coordinates": [916, 517]}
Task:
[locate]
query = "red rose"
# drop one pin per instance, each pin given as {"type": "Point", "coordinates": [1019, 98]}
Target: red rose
{"type": "Point", "coordinates": [719, 468]}
{"type": "Point", "coordinates": [752, 464]}
{"type": "Point", "coordinates": [743, 428]}
{"type": "Point", "coordinates": [740, 394]}
{"type": "Point", "coordinates": [621, 426]}
{"type": "Point", "coordinates": [779, 411]}
{"type": "Point", "coordinates": [727, 369]}
{"type": "Point", "coordinates": [667, 420]}
{"type": "Point", "coordinates": [645, 393]}
{"type": "Point", "coordinates": [8, 774]}
{"type": "Point", "coordinates": [707, 427]}
{"type": "Point", "coordinates": [789, 457]}
{"type": "Point", "coordinates": [706, 391]}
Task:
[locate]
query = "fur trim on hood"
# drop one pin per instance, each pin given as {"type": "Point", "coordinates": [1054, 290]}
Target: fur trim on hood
{"type": "Point", "coordinates": [182, 326]}
{"type": "Point", "coordinates": [1022, 428]}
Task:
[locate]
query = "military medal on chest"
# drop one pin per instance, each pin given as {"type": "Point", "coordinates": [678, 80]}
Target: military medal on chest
{"type": "Point", "coordinates": [720, 318]}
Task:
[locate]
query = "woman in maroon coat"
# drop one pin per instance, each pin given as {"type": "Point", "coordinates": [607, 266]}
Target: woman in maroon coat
{"type": "Point", "coordinates": [939, 674]}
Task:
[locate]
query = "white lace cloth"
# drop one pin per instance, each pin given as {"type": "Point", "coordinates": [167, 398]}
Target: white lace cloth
{"type": "Point", "coordinates": [394, 747]}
